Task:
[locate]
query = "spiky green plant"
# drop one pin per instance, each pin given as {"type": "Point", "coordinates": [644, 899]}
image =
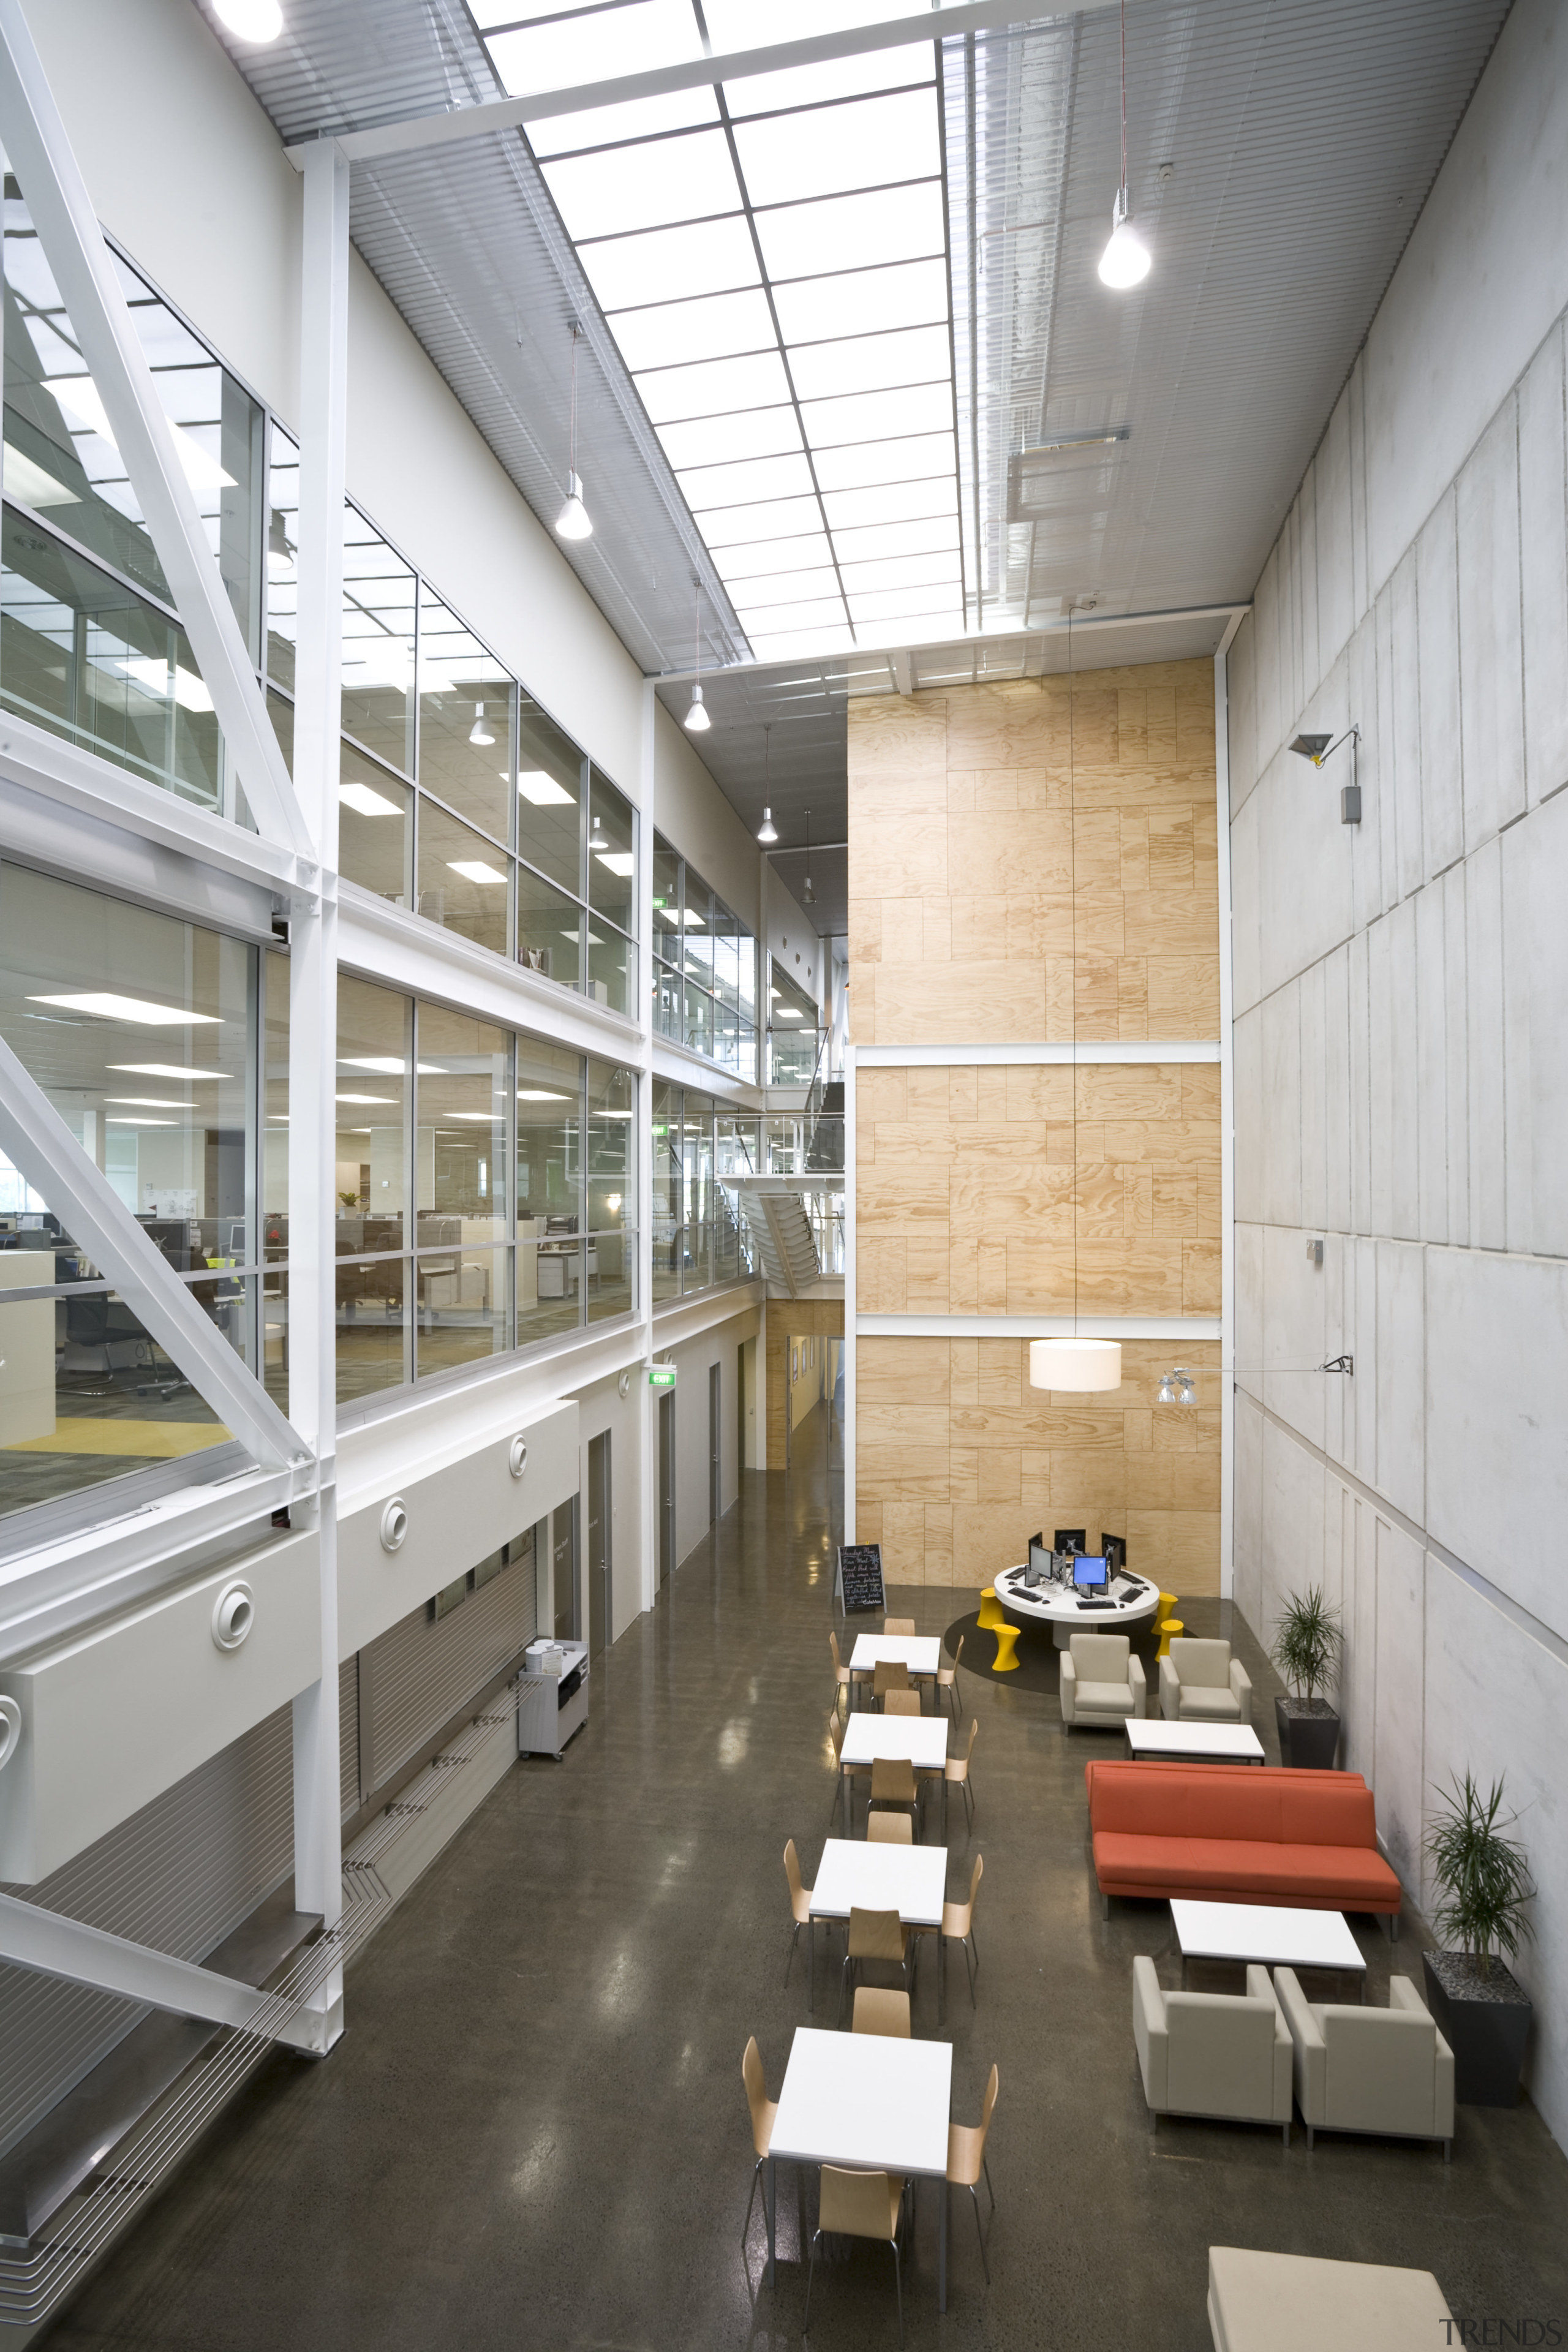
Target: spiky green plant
{"type": "Point", "coordinates": [1483, 1876]}
{"type": "Point", "coordinates": [1309, 1643]}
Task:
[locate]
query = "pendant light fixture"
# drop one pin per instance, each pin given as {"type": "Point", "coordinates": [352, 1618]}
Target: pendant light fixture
{"type": "Point", "coordinates": [598, 840]}
{"type": "Point", "coordinates": [573, 520]}
{"type": "Point", "coordinates": [696, 719]}
{"type": "Point", "coordinates": [480, 735]}
{"type": "Point", "coordinates": [767, 831]}
{"type": "Point", "coordinates": [808, 896]}
{"type": "Point", "coordinates": [1077, 1366]}
{"type": "Point", "coordinates": [250, 20]}
{"type": "Point", "coordinates": [1126, 260]}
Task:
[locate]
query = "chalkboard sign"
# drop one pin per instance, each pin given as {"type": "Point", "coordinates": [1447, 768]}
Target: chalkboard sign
{"type": "Point", "coordinates": [858, 1583]}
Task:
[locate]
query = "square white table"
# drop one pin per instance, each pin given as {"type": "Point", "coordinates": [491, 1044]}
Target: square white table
{"type": "Point", "coordinates": [1270, 1932]}
{"type": "Point", "coordinates": [919, 1654]}
{"type": "Point", "coordinates": [1215, 1743]}
{"type": "Point", "coordinates": [917, 1739]}
{"type": "Point", "coordinates": [872, 2103]}
{"type": "Point", "coordinates": [856, 1874]}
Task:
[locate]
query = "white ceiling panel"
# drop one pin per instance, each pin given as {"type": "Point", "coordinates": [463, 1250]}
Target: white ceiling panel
{"type": "Point", "coordinates": [561, 51]}
{"type": "Point", "coordinates": [780, 519]}
{"type": "Point", "coordinates": [867, 142]}
{"type": "Point", "coordinates": [667, 265]}
{"type": "Point", "coordinates": [782, 587]}
{"type": "Point", "coordinates": [878, 416]}
{"type": "Point", "coordinates": [863, 301]}
{"type": "Point", "coordinates": [933, 534]}
{"type": "Point", "coordinates": [891, 502]}
{"type": "Point", "coordinates": [891, 224]}
{"type": "Point", "coordinates": [757, 557]}
{"type": "Point", "coordinates": [844, 77]}
{"type": "Point", "coordinates": [716, 440]}
{"type": "Point", "coordinates": [640, 118]}
{"type": "Point", "coordinates": [867, 363]}
{"type": "Point", "coordinates": [710, 328]}
{"type": "Point", "coordinates": [713, 386]}
{"type": "Point", "coordinates": [647, 185]}
{"type": "Point", "coordinates": [867, 462]}
{"type": "Point", "coordinates": [738, 485]}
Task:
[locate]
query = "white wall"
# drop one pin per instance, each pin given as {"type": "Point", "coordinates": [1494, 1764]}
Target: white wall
{"type": "Point", "coordinates": [698, 821]}
{"type": "Point", "coordinates": [720, 1345]}
{"type": "Point", "coordinates": [600, 1408]}
{"type": "Point", "coordinates": [1401, 991]}
{"type": "Point", "coordinates": [789, 933]}
{"type": "Point", "coordinates": [185, 170]}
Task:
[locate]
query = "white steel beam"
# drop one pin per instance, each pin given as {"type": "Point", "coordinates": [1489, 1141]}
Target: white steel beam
{"type": "Point", "coordinates": [53, 1946]}
{"type": "Point", "coordinates": [313, 1010]}
{"type": "Point", "coordinates": [36, 1140]}
{"type": "Point", "coordinates": [39, 153]}
{"type": "Point", "coordinates": [659, 81]}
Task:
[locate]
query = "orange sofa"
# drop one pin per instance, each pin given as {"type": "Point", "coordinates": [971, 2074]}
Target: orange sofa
{"type": "Point", "coordinates": [1230, 1833]}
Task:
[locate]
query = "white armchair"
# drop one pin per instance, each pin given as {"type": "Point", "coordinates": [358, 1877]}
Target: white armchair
{"type": "Point", "coordinates": [1200, 1681]}
{"type": "Point", "coordinates": [1102, 1682]}
{"type": "Point", "coordinates": [1370, 2070]}
{"type": "Point", "coordinates": [1213, 2053]}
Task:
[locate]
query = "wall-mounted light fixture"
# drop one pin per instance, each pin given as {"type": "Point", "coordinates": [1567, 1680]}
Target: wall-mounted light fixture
{"type": "Point", "coordinates": [1321, 748]}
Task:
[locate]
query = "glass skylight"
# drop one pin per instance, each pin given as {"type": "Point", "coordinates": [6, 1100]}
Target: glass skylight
{"type": "Point", "coordinates": [771, 259]}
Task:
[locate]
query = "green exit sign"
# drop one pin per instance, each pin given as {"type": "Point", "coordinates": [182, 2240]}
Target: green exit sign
{"type": "Point", "coordinates": [661, 1376]}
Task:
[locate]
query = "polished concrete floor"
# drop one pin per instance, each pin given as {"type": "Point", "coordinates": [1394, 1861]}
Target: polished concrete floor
{"type": "Point", "coordinates": [534, 2135]}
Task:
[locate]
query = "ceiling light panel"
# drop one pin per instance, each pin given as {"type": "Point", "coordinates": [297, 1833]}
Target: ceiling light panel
{"type": "Point", "coordinates": [878, 69]}
{"type": "Point", "coordinates": [781, 587]}
{"type": "Point", "coordinates": [892, 502]}
{"type": "Point", "coordinates": [716, 440]}
{"type": "Point", "coordinates": [671, 334]}
{"type": "Point", "coordinates": [759, 477]}
{"type": "Point", "coordinates": [638, 118]}
{"type": "Point", "coordinates": [903, 572]}
{"type": "Point", "coordinates": [879, 416]}
{"type": "Point", "coordinates": [649, 185]}
{"type": "Point", "coordinates": [732, 24]}
{"type": "Point", "coordinates": [863, 301]}
{"type": "Point", "coordinates": [714, 386]}
{"type": "Point", "coordinates": [781, 519]}
{"type": "Point", "coordinates": [888, 461]}
{"type": "Point", "coordinates": [889, 225]}
{"type": "Point", "coordinates": [871, 363]}
{"type": "Point", "coordinates": [927, 604]}
{"type": "Point", "coordinates": [932, 535]}
{"type": "Point", "coordinates": [667, 265]}
{"type": "Point", "coordinates": [564, 50]}
{"type": "Point", "coordinates": [870, 143]}
{"type": "Point", "coordinates": [827, 610]}
{"type": "Point", "coordinates": [754, 558]}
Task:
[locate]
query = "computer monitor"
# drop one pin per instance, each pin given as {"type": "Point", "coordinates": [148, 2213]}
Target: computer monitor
{"type": "Point", "coordinates": [1115, 1550]}
{"type": "Point", "coordinates": [1072, 1539]}
{"type": "Point", "coordinates": [1089, 1571]}
{"type": "Point", "coordinates": [1039, 1560]}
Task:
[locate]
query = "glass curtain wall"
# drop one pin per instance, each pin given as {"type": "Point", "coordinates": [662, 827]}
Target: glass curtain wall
{"type": "Point", "coordinates": [793, 1036]}
{"type": "Point", "coordinates": [699, 1240]}
{"type": "Point", "coordinates": [175, 1092]}
{"type": "Point", "coordinates": [460, 799]}
{"type": "Point", "coordinates": [704, 985]}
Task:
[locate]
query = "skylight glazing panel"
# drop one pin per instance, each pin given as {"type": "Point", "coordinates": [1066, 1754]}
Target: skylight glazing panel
{"type": "Point", "coordinates": [905, 603]}
{"type": "Point", "coordinates": [780, 519]}
{"type": "Point", "coordinates": [636, 118]}
{"type": "Point", "coordinates": [759, 478]}
{"type": "Point", "coordinates": [669, 333]}
{"type": "Point", "coordinates": [808, 612]}
{"type": "Point", "coordinates": [938, 571]}
{"type": "Point", "coordinates": [789, 644]}
{"type": "Point", "coordinates": [782, 587]}
{"type": "Point", "coordinates": [893, 501]}
{"type": "Point", "coordinates": [714, 387]}
{"type": "Point", "coordinates": [879, 70]}
{"type": "Point", "coordinates": [869, 362]}
{"type": "Point", "coordinates": [562, 51]}
{"type": "Point", "coordinates": [865, 143]}
{"type": "Point", "coordinates": [889, 225]}
{"type": "Point", "coordinates": [758, 556]}
{"type": "Point", "coordinates": [879, 416]}
{"type": "Point", "coordinates": [649, 185]}
{"type": "Point", "coordinates": [716, 440]}
{"type": "Point", "coordinates": [934, 535]}
{"type": "Point", "coordinates": [734, 24]}
{"type": "Point", "coordinates": [863, 301]}
{"type": "Point", "coordinates": [667, 265]}
{"type": "Point", "coordinates": [867, 462]}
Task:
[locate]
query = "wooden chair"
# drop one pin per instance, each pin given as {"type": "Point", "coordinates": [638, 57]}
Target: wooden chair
{"type": "Point", "coordinates": [956, 1775]}
{"type": "Point", "coordinates": [843, 1680]}
{"type": "Point", "coordinates": [892, 1783]}
{"type": "Point", "coordinates": [966, 2162]}
{"type": "Point", "coordinates": [947, 1679]}
{"type": "Point", "coordinates": [836, 1734]}
{"type": "Point", "coordinates": [881, 2010]}
{"type": "Point", "coordinates": [800, 1909]}
{"type": "Point", "coordinates": [764, 2110]}
{"type": "Point", "coordinates": [890, 1675]}
{"type": "Point", "coordinates": [899, 1628]}
{"type": "Point", "coordinates": [958, 1926]}
{"type": "Point", "coordinates": [888, 1829]}
{"type": "Point", "coordinates": [880, 1936]}
{"type": "Point", "coordinates": [902, 1702]}
{"type": "Point", "coordinates": [860, 2205]}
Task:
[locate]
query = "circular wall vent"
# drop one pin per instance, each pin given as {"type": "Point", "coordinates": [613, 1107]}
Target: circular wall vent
{"type": "Point", "coordinates": [517, 1456]}
{"type": "Point", "coordinates": [234, 1615]}
{"type": "Point", "coordinates": [393, 1524]}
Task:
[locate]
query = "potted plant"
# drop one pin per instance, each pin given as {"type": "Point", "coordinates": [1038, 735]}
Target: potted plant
{"type": "Point", "coordinates": [1482, 2011]}
{"type": "Point", "coordinates": [1307, 1650]}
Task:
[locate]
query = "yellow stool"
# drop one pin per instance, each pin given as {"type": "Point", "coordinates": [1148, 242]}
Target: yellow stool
{"type": "Point", "coordinates": [1167, 1605]}
{"type": "Point", "coordinates": [1005, 1662]}
{"type": "Point", "coordinates": [991, 1610]}
{"type": "Point", "coordinates": [1170, 1630]}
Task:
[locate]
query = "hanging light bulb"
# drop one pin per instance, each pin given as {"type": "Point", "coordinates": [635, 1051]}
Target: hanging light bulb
{"type": "Point", "coordinates": [767, 831]}
{"type": "Point", "coordinates": [597, 840]}
{"type": "Point", "coordinates": [479, 733]}
{"type": "Point", "coordinates": [573, 520]}
{"type": "Point", "coordinates": [808, 896]}
{"type": "Point", "coordinates": [697, 721]}
{"type": "Point", "coordinates": [251, 20]}
{"type": "Point", "coordinates": [1126, 260]}
{"type": "Point", "coordinates": [1178, 1386]}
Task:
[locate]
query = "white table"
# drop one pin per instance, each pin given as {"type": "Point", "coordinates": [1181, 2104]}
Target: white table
{"type": "Point", "coordinates": [1215, 1743]}
{"type": "Point", "coordinates": [1270, 1932]}
{"type": "Point", "coordinates": [919, 1654]}
{"type": "Point", "coordinates": [856, 1874]}
{"type": "Point", "coordinates": [1057, 1605]}
{"type": "Point", "coordinates": [868, 2102]}
{"type": "Point", "coordinates": [917, 1739]}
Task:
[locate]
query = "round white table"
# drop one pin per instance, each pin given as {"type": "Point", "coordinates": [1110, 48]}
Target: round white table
{"type": "Point", "coordinates": [1056, 1606]}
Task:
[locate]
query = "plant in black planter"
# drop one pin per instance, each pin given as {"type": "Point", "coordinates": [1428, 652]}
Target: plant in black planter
{"type": "Point", "coordinates": [1482, 2011]}
{"type": "Point", "coordinates": [1307, 1646]}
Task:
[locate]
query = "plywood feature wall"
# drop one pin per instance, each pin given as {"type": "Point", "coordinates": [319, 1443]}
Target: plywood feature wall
{"type": "Point", "coordinates": [787, 1319]}
{"type": "Point", "coordinates": [978, 1190]}
{"type": "Point", "coordinates": [972, 811]}
{"type": "Point", "coordinates": [959, 1461]}
{"type": "Point", "coordinates": [1031, 863]}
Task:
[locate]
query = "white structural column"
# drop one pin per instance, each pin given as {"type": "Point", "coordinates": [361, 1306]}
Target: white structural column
{"type": "Point", "coordinates": [851, 1319]}
{"type": "Point", "coordinates": [39, 153]}
{"type": "Point", "coordinates": [313, 1006]}
{"type": "Point", "coordinates": [1227, 1123]}
{"type": "Point", "coordinates": [647, 1467]}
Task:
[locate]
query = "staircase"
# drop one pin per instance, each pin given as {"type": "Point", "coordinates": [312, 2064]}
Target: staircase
{"type": "Point", "coordinates": [780, 1233]}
